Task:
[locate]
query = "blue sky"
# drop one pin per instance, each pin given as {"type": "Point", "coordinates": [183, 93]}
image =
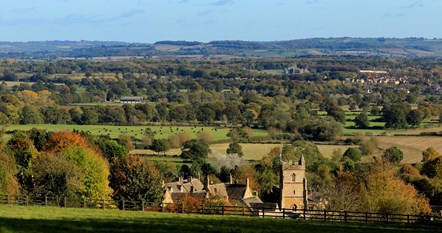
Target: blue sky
{"type": "Point", "coordinates": [206, 20]}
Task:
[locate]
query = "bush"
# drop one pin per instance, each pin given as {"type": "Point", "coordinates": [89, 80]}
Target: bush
{"type": "Point", "coordinates": [353, 154]}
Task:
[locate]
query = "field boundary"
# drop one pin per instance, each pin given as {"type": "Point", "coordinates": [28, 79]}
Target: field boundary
{"type": "Point", "coordinates": [259, 210]}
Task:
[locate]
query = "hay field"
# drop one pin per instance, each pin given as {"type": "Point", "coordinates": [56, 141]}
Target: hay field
{"type": "Point", "coordinates": [410, 145]}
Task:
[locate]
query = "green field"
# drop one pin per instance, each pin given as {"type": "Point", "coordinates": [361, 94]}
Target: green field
{"type": "Point", "coordinates": [137, 131]}
{"type": "Point", "coordinates": [55, 219]}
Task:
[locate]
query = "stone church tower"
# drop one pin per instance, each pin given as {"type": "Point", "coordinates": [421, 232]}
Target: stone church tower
{"type": "Point", "coordinates": [293, 185]}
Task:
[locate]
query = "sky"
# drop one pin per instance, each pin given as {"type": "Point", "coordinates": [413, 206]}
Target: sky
{"type": "Point", "coordinates": [206, 20]}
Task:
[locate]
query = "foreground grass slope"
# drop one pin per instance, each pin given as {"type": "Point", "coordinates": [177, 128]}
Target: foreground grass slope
{"type": "Point", "coordinates": [53, 219]}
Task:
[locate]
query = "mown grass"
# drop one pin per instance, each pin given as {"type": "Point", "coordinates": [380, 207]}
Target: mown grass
{"type": "Point", "coordinates": [54, 219]}
{"type": "Point", "coordinates": [218, 134]}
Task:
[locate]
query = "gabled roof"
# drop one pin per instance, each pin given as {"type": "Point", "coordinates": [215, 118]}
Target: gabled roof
{"type": "Point", "coordinates": [236, 191]}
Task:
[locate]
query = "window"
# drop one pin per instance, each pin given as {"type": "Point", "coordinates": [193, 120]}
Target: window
{"type": "Point", "coordinates": [294, 177]}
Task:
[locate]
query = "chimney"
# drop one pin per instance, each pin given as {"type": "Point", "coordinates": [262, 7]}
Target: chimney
{"type": "Point", "coordinates": [206, 184]}
{"type": "Point", "coordinates": [247, 182]}
{"type": "Point", "coordinates": [230, 178]}
{"type": "Point", "coordinates": [199, 176]}
{"type": "Point", "coordinates": [180, 180]}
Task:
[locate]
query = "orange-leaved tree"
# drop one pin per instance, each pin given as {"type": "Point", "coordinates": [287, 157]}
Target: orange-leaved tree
{"type": "Point", "coordinates": [60, 140]}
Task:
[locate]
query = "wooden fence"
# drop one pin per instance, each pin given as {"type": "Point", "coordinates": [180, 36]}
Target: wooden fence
{"type": "Point", "coordinates": [263, 212]}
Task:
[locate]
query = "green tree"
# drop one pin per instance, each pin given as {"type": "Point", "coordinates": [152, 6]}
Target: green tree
{"type": "Point", "coordinates": [56, 176]}
{"type": "Point", "coordinates": [134, 179]}
{"type": "Point", "coordinates": [235, 148]}
{"type": "Point", "coordinates": [112, 149]}
{"type": "Point", "coordinates": [361, 121]}
{"type": "Point", "coordinates": [353, 154]}
{"type": "Point", "coordinates": [414, 117]}
{"type": "Point", "coordinates": [31, 115]}
{"type": "Point", "coordinates": [393, 155]}
{"type": "Point", "coordinates": [395, 116]}
{"type": "Point", "coordinates": [159, 145]}
{"type": "Point", "coordinates": [195, 150]}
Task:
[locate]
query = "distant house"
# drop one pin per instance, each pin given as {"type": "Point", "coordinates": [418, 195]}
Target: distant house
{"type": "Point", "coordinates": [130, 99]}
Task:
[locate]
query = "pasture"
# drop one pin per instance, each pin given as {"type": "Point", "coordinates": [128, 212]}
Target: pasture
{"type": "Point", "coordinates": [160, 132]}
{"type": "Point", "coordinates": [54, 219]}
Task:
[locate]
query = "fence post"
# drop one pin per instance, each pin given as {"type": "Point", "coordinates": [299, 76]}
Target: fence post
{"type": "Point", "coordinates": [263, 212]}
{"type": "Point", "coordinates": [202, 209]}
{"type": "Point", "coordinates": [142, 206]}
{"type": "Point", "coordinates": [366, 217]}
{"type": "Point", "coordinates": [386, 218]}
{"type": "Point", "coordinates": [243, 211]}
{"type": "Point", "coordinates": [304, 213]}
{"type": "Point", "coordinates": [283, 213]}
{"type": "Point", "coordinates": [102, 202]}
{"type": "Point", "coordinates": [222, 209]}
{"type": "Point", "coordinates": [408, 218]}
{"type": "Point", "coordinates": [325, 215]}
{"type": "Point", "coordinates": [345, 216]}
{"type": "Point", "coordinates": [64, 202]}
{"type": "Point", "coordinates": [27, 200]}
{"type": "Point", "coordinates": [46, 200]}
{"type": "Point", "coordinates": [7, 199]}
{"type": "Point", "coordinates": [124, 207]}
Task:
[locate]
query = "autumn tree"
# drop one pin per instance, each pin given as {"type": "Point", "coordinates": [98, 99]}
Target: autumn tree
{"type": "Point", "coordinates": [344, 194]}
{"type": "Point", "coordinates": [384, 192]}
{"type": "Point", "coordinates": [134, 179]}
{"type": "Point", "coordinates": [94, 183]}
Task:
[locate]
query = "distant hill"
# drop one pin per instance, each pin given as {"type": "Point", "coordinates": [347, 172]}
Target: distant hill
{"type": "Point", "coordinates": [345, 46]}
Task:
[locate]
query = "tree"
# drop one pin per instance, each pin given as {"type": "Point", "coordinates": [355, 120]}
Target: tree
{"type": "Point", "coordinates": [159, 145]}
{"type": "Point", "coordinates": [414, 117]}
{"type": "Point", "coordinates": [195, 150]}
{"type": "Point", "coordinates": [8, 182]}
{"type": "Point", "coordinates": [429, 154]}
{"type": "Point", "coordinates": [112, 149]}
{"type": "Point", "coordinates": [94, 183]}
{"type": "Point", "coordinates": [309, 150]}
{"type": "Point", "coordinates": [384, 192]}
{"type": "Point", "coordinates": [361, 121]}
{"type": "Point", "coordinates": [353, 154]}
{"type": "Point", "coordinates": [31, 115]}
{"type": "Point", "coordinates": [344, 194]}
{"type": "Point", "coordinates": [235, 148]}
{"type": "Point", "coordinates": [395, 116]}
{"type": "Point", "coordinates": [56, 176]}
{"type": "Point", "coordinates": [393, 155]}
{"type": "Point", "coordinates": [134, 179]}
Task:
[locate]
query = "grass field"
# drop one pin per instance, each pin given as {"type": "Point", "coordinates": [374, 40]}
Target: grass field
{"type": "Point", "coordinates": [411, 146]}
{"type": "Point", "coordinates": [137, 131]}
{"type": "Point", "coordinates": [54, 219]}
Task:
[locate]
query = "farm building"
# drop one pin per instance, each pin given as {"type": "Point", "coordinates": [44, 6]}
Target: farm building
{"type": "Point", "coordinates": [130, 99]}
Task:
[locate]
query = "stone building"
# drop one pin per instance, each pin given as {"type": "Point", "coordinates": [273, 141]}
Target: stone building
{"type": "Point", "coordinates": [293, 185]}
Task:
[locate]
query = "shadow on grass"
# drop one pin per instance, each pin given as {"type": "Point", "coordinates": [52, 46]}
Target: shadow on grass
{"type": "Point", "coordinates": [197, 224]}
